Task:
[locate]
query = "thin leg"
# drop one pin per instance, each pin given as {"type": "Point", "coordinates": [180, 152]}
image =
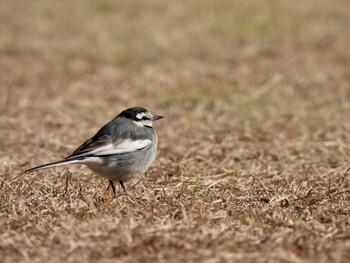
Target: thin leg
{"type": "Point", "coordinates": [123, 186]}
{"type": "Point", "coordinates": [112, 185]}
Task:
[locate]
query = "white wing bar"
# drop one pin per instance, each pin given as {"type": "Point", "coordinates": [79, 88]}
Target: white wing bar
{"type": "Point", "coordinates": [126, 146]}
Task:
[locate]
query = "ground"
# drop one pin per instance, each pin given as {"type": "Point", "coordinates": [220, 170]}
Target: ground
{"type": "Point", "coordinates": [253, 150]}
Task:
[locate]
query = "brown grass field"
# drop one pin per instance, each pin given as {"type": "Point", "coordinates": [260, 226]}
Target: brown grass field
{"type": "Point", "coordinates": [253, 151]}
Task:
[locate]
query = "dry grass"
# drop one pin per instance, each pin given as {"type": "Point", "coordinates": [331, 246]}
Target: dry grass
{"type": "Point", "coordinates": [253, 150]}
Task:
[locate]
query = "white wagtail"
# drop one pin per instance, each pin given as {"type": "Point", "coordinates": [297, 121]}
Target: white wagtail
{"type": "Point", "coordinates": [122, 149]}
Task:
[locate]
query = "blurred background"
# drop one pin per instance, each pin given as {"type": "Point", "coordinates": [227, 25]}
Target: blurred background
{"type": "Point", "coordinates": [247, 87]}
{"type": "Point", "coordinates": [223, 63]}
{"type": "Point", "coordinates": [216, 70]}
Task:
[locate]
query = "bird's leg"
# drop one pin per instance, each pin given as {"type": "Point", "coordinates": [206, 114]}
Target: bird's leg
{"type": "Point", "coordinates": [123, 186]}
{"type": "Point", "coordinates": [112, 185]}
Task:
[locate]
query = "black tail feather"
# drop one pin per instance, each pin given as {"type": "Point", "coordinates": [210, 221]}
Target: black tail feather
{"type": "Point", "coordinates": [48, 165]}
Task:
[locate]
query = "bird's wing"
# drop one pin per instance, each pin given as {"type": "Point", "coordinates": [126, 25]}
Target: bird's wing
{"type": "Point", "coordinates": [105, 146]}
{"type": "Point", "coordinates": [91, 144]}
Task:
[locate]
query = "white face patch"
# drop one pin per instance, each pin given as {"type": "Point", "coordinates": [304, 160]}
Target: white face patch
{"type": "Point", "coordinates": [144, 123]}
{"type": "Point", "coordinates": [145, 119]}
{"type": "Point", "coordinates": [141, 115]}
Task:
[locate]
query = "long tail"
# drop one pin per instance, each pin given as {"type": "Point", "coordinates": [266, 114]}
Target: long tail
{"type": "Point", "coordinates": [48, 165]}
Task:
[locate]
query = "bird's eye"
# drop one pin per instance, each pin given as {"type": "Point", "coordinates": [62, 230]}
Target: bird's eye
{"type": "Point", "coordinates": [144, 118]}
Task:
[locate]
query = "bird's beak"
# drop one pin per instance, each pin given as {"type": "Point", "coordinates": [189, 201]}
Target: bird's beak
{"type": "Point", "coordinates": [156, 117]}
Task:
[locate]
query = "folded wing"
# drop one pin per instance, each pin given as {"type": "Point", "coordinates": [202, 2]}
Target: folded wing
{"type": "Point", "coordinates": [104, 146]}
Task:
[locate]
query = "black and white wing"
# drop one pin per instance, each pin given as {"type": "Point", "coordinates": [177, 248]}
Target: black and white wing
{"type": "Point", "coordinates": [104, 146]}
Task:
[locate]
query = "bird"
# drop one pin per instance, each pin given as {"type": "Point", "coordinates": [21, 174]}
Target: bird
{"type": "Point", "coordinates": [122, 149]}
